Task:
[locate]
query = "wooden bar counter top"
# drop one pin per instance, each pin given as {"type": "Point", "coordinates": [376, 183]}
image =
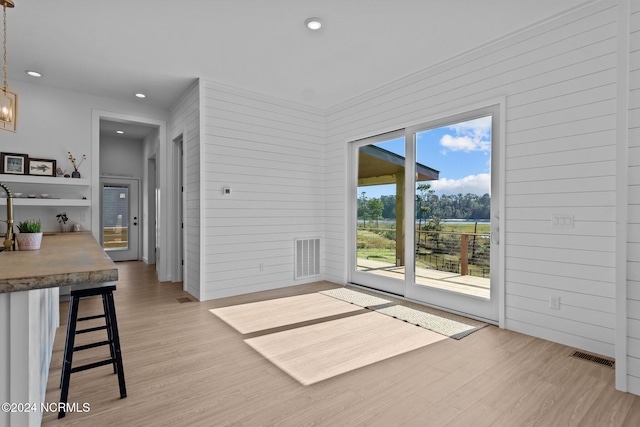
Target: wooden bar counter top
{"type": "Point", "coordinates": [63, 259]}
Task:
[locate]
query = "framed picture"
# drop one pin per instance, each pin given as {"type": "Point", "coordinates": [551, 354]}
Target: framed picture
{"type": "Point", "coordinates": [42, 167]}
{"type": "Point", "coordinates": [15, 164]}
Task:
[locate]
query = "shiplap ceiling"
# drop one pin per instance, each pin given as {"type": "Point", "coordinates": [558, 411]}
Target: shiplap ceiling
{"type": "Point", "coordinates": [119, 47]}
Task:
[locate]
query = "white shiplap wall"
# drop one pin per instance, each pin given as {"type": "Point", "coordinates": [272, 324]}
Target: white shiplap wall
{"type": "Point", "coordinates": [185, 120]}
{"type": "Point", "coordinates": [633, 195]}
{"type": "Point", "coordinates": [559, 80]}
{"type": "Point", "coordinates": [271, 154]}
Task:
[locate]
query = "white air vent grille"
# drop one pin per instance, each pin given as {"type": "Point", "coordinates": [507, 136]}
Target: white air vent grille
{"type": "Point", "coordinates": [307, 257]}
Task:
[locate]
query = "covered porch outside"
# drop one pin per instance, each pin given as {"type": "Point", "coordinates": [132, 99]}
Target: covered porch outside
{"type": "Point", "coordinates": [377, 166]}
{"type": "Point", "coordinates": [464, 284]}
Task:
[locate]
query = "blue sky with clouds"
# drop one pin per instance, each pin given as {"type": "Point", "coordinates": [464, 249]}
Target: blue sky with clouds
{"type": "Point", "coordinates": [461, 152]}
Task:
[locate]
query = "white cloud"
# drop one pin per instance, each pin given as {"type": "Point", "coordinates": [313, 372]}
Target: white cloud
{"type": "Point", "coordinates": [477, 126]}
{"type": "Point", "coordinates": [465, 143]}
{"type": "Point", "coordinates": [474, 135]}
{"type": "Point", "coordinates": [475, 184]}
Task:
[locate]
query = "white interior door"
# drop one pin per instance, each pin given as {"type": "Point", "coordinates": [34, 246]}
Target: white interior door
{"type": "Point", "coordinates": [120, 218]}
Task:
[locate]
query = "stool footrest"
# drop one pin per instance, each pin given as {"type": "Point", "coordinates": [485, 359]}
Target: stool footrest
{"type": "Point", "coordinates": [92, 345]}
{"type": "Point", "coordinates": [99, 316]}
{"type": "Point", "coordinates": [97, 328]}
{"type": "Point", "coordinates": [91, 365]}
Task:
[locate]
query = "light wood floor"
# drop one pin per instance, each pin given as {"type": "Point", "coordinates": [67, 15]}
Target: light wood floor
{"type": "Point", "coordinates": [186, 367]}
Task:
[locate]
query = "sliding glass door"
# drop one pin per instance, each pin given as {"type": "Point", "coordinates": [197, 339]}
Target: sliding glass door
{"type": "Point", "coordinates": [426, 212]}
{"type": "Point", "coordinates": [379, 192]}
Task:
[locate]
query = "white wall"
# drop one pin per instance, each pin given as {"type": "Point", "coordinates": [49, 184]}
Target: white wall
{"type": "Point", "coordinates": [185, 121]}
{"type": "Point", "coordinates": [52, 122]}
{"type": "Point", "coordinates": [271, 154]}
{"type": "Point", "coordinates": [559, 80]}
{"type": "Point", "coordinates": [633, 195]}
{"type": "Point", "coordinates": [121, 157]}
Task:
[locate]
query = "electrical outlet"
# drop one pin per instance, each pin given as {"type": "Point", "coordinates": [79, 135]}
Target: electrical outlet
{"type": "Point", "coordinates": [83, 217]}
{"type": "Point", "coordinates": [554, 302]}
{"type": "Point", "coordinates": [562, 221]}
{"type": "Point", "coordinates": [261, 267]}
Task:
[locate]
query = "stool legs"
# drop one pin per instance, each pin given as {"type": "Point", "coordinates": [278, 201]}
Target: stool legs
{"type": "Point", "coordinates": [68, 351]}
{"type": "Point", "coordinates": [113, 341]}
{"type": "Point", "coordinates": [116, 344]}
{"type": "Point", "coordinates": [107, 319]}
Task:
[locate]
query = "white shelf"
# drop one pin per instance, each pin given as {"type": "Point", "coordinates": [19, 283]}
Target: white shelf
{"type": "Point", "coordinates": [46, 202]}
{"type": "Point", "coordinates": [63, 191]}
{"type": "Point", "coordinates": [32, 179]}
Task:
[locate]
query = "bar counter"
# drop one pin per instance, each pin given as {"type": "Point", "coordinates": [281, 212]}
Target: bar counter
{"type": "Point", "coordinates": [63, 259]}
{"type": "Point", "coordinates": [29, 313]}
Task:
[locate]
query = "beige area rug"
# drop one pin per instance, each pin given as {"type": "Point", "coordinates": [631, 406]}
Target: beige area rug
{"type": "Point", "coordinates": [317, 352]}
{"type": "Point", "coordinates": [314, 337]}
{"type": "Point", "coordinates": [276, 313]}
{"type": "Point", "coordinates": [447, 324]}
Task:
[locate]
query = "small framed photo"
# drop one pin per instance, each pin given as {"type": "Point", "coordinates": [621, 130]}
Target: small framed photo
{"type": "Point", "coordinates": [12, 163]}
{"type": "Point", "coordinates": [42, 167]}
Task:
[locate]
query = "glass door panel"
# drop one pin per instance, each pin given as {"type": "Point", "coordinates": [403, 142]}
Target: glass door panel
{"type": "Point", "coordinates": [379, 220]}
{"type": "Point", "coordinates": [115, 217]}
{"type": "Point", "coordinates": [455, 214]}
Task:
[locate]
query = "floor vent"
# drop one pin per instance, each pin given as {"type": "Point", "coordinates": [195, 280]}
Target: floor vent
{"type": "Point", "coordinates": [595, 359]}
{"type": "Point", "coordinates": [183, 300]}
{"type": "Point", "coordinates": [307, 257]}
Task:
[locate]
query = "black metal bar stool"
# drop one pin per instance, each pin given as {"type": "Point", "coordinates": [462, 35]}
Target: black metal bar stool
{"type": "Point", "coordinates": [113, 339]}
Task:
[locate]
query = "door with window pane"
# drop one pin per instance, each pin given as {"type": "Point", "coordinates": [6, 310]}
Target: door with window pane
{"type": "Point", "coordinates": [120, 218]}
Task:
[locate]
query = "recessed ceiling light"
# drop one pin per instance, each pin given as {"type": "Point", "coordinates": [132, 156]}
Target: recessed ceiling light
{"type": "Point", "coordinates": [313, 23]}
{"type": "Point", "coordinates": [33, 73]}
{"type": "Point", "coordinates": [119, 132]}
{"type": "Point", "coordinates": [141, 95]}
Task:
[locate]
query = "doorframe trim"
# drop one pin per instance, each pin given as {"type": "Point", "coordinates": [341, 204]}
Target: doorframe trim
{"type": "Point", "coordinates": [164, 241]}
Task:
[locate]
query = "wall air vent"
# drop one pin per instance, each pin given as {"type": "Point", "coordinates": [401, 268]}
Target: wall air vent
{"type": "Point", "coordinates": [307, 257]}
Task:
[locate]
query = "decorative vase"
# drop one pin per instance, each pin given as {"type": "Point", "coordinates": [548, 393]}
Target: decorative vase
{"type": "Point", "coordinates": [29, 241]}
{"type": "Point", "coordinates": [75, 174]}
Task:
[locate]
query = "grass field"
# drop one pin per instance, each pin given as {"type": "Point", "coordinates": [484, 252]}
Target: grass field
{"type": "Point", "coordinates": [482, 228]}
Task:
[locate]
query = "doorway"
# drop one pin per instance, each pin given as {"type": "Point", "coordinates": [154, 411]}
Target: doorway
{"type": "Point", "coordinates": [425, 213]}
{"type": "Point", "coordinates": [155, 145]}
{"type": "Point", "coordinates": [120, 218]}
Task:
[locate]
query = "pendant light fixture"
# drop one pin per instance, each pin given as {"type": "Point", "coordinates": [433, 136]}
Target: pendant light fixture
{"type": "Point", "coordinates": [8, 99]}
